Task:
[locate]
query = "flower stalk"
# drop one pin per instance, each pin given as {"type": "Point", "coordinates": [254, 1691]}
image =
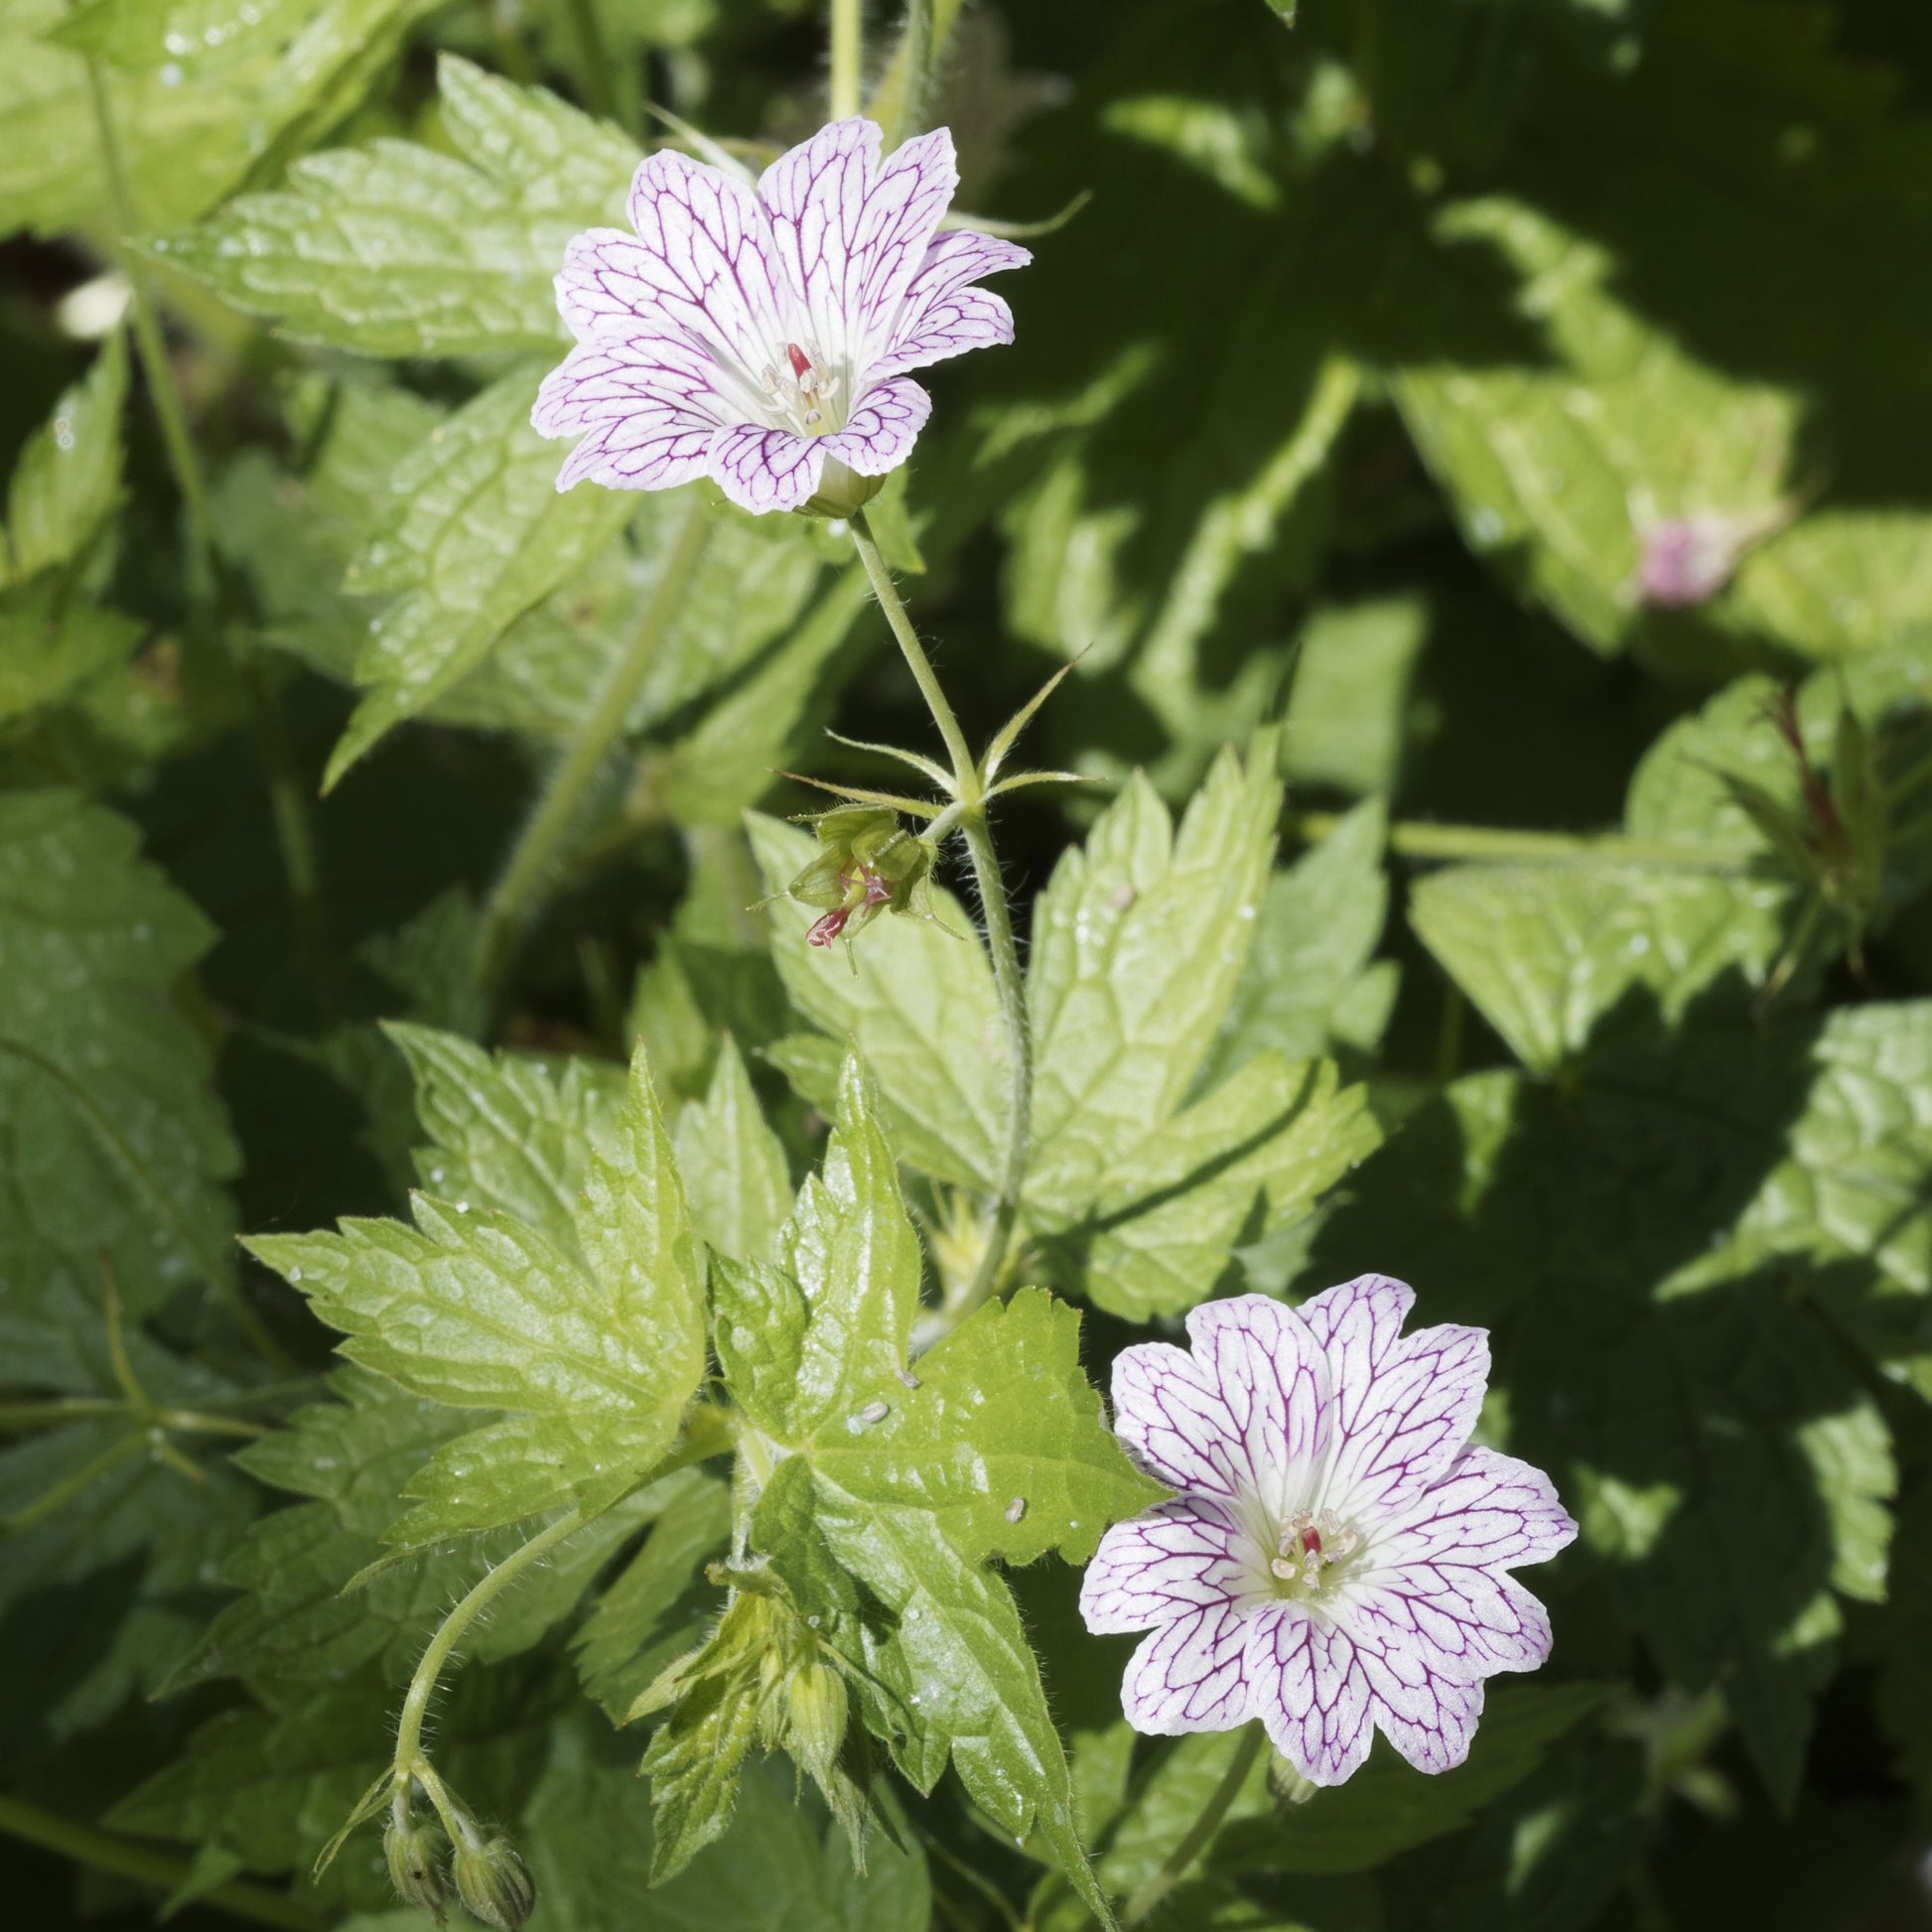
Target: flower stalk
{"type": "Point", "coordinates": [967, 811]}
{"type": "Point", "coordinates": [1199, 1835]}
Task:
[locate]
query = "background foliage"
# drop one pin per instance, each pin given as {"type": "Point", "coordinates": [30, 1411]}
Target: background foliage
{"type": "Point", "coordinates": [1558, 984]}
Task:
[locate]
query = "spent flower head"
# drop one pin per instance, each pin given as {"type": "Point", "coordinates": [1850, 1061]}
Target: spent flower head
{"type": "Point", "coordinates": [1337, 1560]}
{"type": "Point", "coordinates": [760, 333]}
{"type": "Point", "coordinates": [867, 864]}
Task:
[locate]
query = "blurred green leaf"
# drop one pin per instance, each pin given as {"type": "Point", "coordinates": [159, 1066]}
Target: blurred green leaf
{"type": "Point", "coordinates": [67, 480]}
{"type": "Point", "coordinates": [192, 119]}
{"type": "Point", "coordinates": [400, 249]}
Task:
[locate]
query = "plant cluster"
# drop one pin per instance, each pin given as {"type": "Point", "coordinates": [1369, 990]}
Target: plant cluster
{"type": "Point", "coordinates": [615, 1312]}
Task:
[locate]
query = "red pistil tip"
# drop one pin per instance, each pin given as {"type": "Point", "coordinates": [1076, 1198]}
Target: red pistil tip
{"type": "Point", "coordinates": [825, 930]}
{"type": "Point", "coordinates": [800, 361]}
{"type": "Point", "coordinates": [1310, 1543]}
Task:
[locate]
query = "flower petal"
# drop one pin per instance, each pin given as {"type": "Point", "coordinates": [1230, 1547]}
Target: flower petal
{"type": "Point", "coordinates": [1173, 1421]}
{"type": "Point", "coordinates": [852, 234]}
{"type": "Point", "coordinates": [1191, 1675]}
{"type": "Point", "coordinates": [1404, 1405]}
{"type": "Point", "coordinates": [1466, 1623]}
{"type": "Point", "coordinates": [1311, 1692]}
{"type": "Point", "coordinates": [883, 429]}
{"type": "Point", "coordinates": [608, 378]}
{"type": "Point", "coordinates": [763, 470]}
{"type": "Point", "coordinates": [1178, 1557]}
{"type": "Point", "coordinates": [1274, 1380]}
{"type": "Point", "coordinates": [702, 265]}
{"type": "Point", "coordinates": [646, 449]}
{"type": "Point", "coordinates": [1428, 1718]}
{"type": "Point", "coordinates": [940, 315]}
{"type": "Point", "coordinates": [1489, 1512]}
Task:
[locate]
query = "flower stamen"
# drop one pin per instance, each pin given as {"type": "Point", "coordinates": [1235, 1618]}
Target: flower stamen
{"type": "Point", "coordinates": [1309, 1545]}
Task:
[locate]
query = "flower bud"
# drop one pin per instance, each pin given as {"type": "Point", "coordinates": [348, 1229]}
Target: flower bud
{"type": "Point", "coordinates": [816, 1705]}
{"type": "Point", "coordinates": [494, 1884]}
{"type": "Point", "coordinates": [415, 1855]}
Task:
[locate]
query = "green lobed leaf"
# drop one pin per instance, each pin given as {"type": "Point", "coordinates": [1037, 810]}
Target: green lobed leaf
{"type": "Point", "coordinates": [1138, 941]}
{"type": "Point", "coordinates": [1307, 985]}
{"type": "Point", "coordinates": [1249, 1160]}
{"type": "Point", "coordinates": [477, 535]}
{"type": "Point", "coordinates": [993, 1447]}
{"type": "Point", "coordinates": [734, 1166]}
{"type": "Point", "coordinates": [53, 645]}
{"type": "Point", "coordinates": [919, 1005]}
{"type": "Point", "coordinates": [111, 1140]}
{"type": "Point", "coordinates": [509, 1132]}
{"type": "Point", "coordinates": [1549, 952]}
{"type": "Point", "coordinates": [598, 1346]}
{"type": "Point", "coordinates": [191, 120]}
{"type": "Point", "coordinates": [398, 250]}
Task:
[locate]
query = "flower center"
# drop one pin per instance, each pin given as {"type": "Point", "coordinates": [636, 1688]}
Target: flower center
{"type": "Point", "coordinates": [803, 391]}
{"type": "Point", "coordinates": [1309, 1547]}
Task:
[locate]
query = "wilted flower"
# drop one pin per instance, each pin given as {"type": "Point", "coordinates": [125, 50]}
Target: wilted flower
{"type": "Point", "coordinates": [1336, 1559]}
{"type": "Point", "coordinates": [868, 864]}
{"type": "Point", "coordinates": [761, 335]}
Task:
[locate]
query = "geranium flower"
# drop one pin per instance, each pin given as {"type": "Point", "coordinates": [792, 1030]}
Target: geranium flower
{"type": "Point", "coordinates": [761, 335]}
{"type": "Point", "coordinates": [1337, 1558]}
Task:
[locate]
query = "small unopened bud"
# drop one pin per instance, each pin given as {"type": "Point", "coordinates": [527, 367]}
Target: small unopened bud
{"type": "Point", "coordinates": [415, 1855]}
{"type": "Point", "coordinates": [494, 1884]}
{"type": "Point", "coordinates": [816, 1704]}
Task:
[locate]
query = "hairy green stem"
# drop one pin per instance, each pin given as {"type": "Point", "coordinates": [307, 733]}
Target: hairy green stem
{"type": "Point", "coordinates": [288, 806]}
{"type": "Point", "coordinates": [1484, 844]}
{"type": "Point", "coordinates": [1011, 982]}
{"type": "Point", "coordinates": [848, 58]}
{"type": "Point", "coordinates": [518, 896]}
{"type": "Point", "coordinates": [1174, 1866]}
{"type": "Point", "coordinates": [126, 1859]}
{"type": "Point", "coordinates": [965, 768]}
{"type": "Point", "coordinates": [422, 1686]}
{"type": "Point", "coordinates": [968, 811]}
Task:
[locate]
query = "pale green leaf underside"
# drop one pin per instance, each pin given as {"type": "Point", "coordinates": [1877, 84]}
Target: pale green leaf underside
{"type": "Point", "coordinates": [477, 535]}
{"type": "Point", "coordinates": [398, 250]}
{"type": "Point", "coordinates": [192, 122]}
{"type": "Point", "coordinates": [1138, 941]}
{"type": "Point", "coordinates": [919, 1007]}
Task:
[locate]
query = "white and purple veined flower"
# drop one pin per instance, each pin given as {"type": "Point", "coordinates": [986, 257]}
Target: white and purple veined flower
{"type": "Point", "coordinates": [759, 335]}
{"type": "Point", "coordinates": [1337, 1558]}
